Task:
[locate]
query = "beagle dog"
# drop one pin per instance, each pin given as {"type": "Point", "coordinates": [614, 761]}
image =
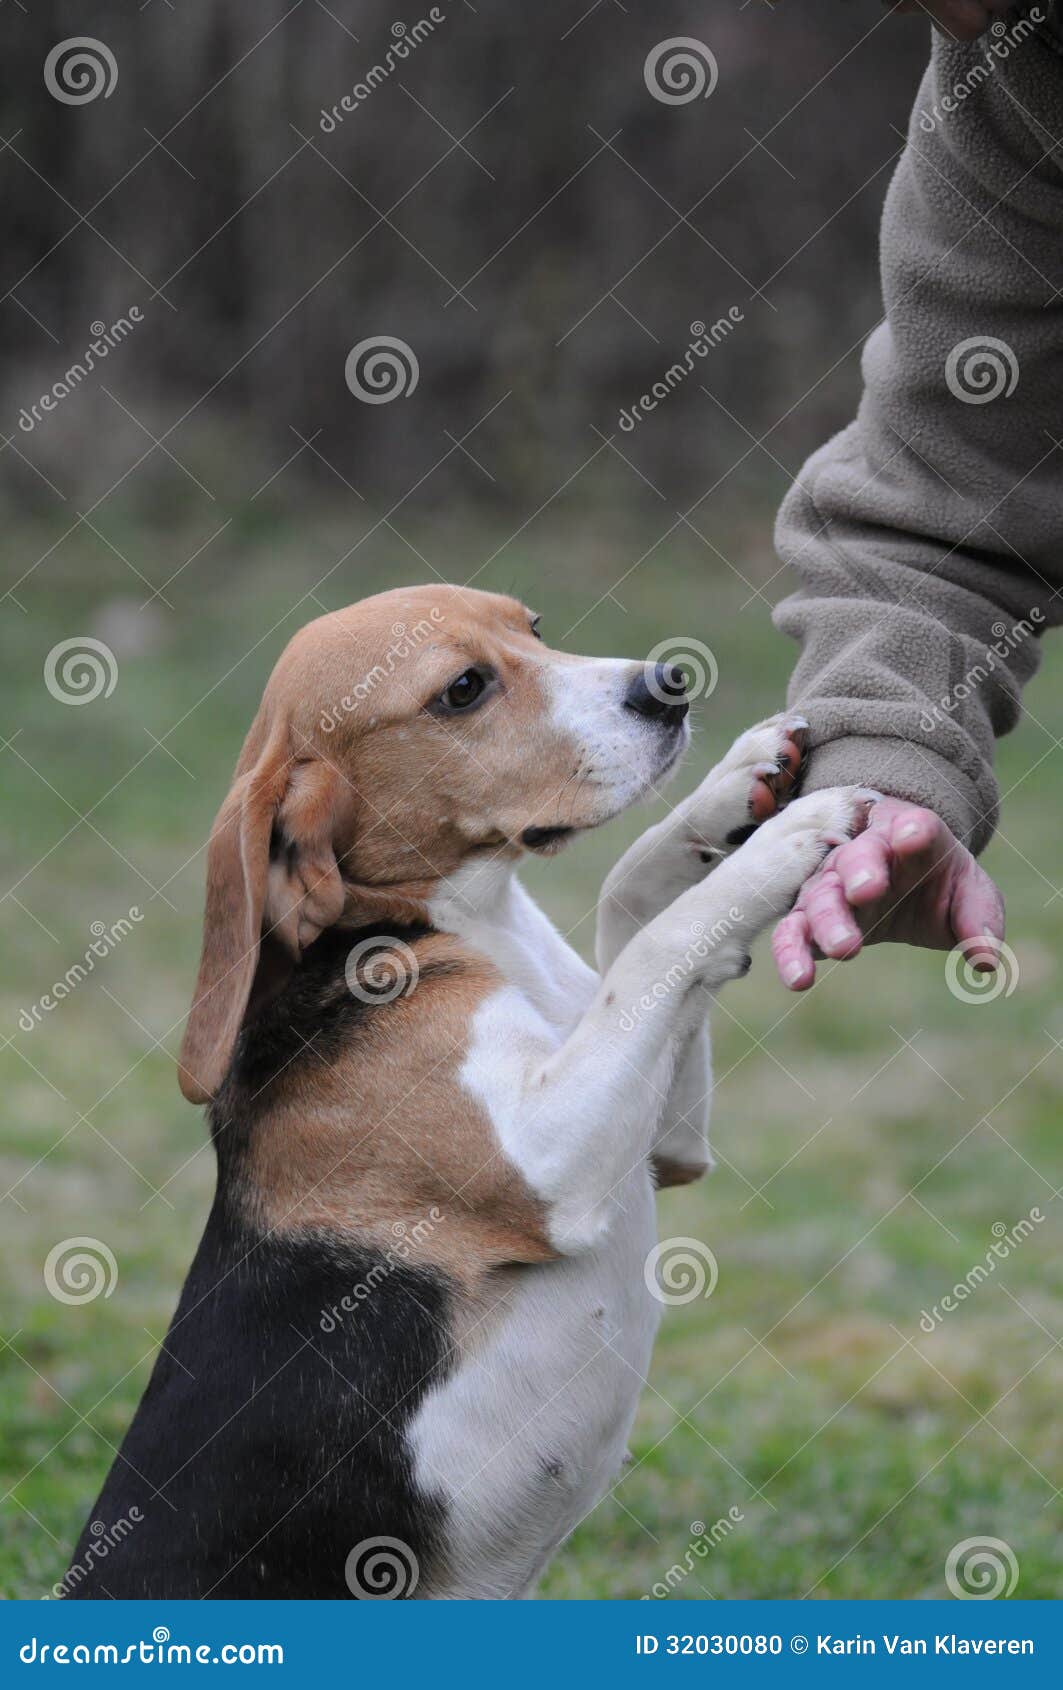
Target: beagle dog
{"type": "Point", "coordinates": [408, 1354]}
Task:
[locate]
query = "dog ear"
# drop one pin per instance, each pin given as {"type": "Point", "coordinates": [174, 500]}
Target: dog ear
{"type": "Point", "coordinates": [271, 874]}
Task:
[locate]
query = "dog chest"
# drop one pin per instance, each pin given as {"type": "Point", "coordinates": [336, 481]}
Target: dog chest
{"type": "Point", "coordinates": [525, 1435]}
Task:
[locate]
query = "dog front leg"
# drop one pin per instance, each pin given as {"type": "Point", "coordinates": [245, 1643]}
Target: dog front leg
{"type": "Point", "coordinates": [694, 837]}
{"type": "Point", "coordinates": [665, 862]}
{"type": "Point", "coordinates": [589, 1113]}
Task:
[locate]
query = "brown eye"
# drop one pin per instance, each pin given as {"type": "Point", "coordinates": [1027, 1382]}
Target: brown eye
{"type": "Point", "coordinates": [465, 691]}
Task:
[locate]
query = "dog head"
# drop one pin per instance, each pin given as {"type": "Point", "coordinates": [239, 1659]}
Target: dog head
{"type": "Point", "coordinates": [397, 740]}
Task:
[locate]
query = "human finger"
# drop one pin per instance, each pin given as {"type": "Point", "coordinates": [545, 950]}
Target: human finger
{"type": "Point", "coordinates": [791, 946]}
{"type": "Point", "coordinates": [834, 927]}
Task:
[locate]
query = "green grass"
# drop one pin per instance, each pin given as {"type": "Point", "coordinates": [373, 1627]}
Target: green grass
{"type": "Point", "coordinates": [859, 1176]}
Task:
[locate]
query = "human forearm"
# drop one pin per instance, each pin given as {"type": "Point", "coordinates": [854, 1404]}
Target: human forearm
{"type": "Point", "coordinates": [926, 537]}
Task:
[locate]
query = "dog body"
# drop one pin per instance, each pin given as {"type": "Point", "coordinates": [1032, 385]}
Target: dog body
{"type": "Point", "coordinates": [530, 1429]}
{"type": "Point", "coordinates": [409, 1352]}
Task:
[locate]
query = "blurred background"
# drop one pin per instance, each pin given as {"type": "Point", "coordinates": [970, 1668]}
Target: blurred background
{"type": "Point", "coordinates": [529, 236]}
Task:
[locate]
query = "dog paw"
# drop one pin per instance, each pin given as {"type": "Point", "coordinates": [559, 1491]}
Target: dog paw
{"type": "Point", "coordinates": [790, 846]}
{"type": "Point", "coordinates": [718, 920]}
{"type": "Point", "coordinates": [751, 783]}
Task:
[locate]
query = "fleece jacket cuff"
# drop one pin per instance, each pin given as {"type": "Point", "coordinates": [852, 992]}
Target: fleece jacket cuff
{"type": "Point", "coordinates": [901, 769]}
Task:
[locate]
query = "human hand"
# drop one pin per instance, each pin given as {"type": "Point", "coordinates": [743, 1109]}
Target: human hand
{"type": "Point", "coordinates": [905, 878]}
{"type": "Point", "coordinates": [963, 20]}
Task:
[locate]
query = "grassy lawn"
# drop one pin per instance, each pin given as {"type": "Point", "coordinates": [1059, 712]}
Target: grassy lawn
{"type": "Point", "coordinates": [869, 1136]}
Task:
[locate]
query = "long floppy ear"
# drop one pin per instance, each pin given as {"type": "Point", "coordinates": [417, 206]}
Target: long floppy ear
{"type": "Point", "coordinates": [271, 871]}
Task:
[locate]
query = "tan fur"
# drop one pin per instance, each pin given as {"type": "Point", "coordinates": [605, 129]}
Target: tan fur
{"type": "Point", "coordinates": [378, 797]}
{"type": "Point", "coordinates": [382, 1142]}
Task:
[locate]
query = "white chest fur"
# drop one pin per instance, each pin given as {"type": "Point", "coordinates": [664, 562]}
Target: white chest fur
{"type": "Point", "coordinates": [528, 1433]}
{"type": "Point", "coordinates": [531, 1428]}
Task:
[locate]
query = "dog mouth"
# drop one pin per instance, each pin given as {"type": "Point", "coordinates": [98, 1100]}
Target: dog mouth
{"type": "Point", "coordinates": [546, 839]}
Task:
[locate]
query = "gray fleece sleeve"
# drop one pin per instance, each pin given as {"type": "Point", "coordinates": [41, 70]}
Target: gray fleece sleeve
{"type": "Point", "coordinates": [927, 538]}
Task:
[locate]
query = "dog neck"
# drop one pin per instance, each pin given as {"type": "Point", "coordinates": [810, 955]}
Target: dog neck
{"type": "Point", "coordinates": [449, 899]}
{"type": "Point", "coordinates": [482, 903]}
{"type": "Point", "coordinates": [485, 905]}
{"type": "Point", "coordinates": [480, 890]}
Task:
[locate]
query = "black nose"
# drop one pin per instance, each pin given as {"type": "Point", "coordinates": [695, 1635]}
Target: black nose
{"type": "Point", "coordinates": [659, 692]}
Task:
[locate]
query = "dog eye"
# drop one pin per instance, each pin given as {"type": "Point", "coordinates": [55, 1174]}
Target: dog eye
{"type": "Point", "coordinates": [535, 625]}
{"type": "Point", "coordinates": [466, 691]}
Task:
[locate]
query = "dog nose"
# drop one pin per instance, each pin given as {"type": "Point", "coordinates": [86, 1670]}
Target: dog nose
{"type": "Point", "coordinates": [659, 692]}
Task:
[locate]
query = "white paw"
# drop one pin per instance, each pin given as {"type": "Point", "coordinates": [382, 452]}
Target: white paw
{"type": "Point", "coordinates": [711, 928]}
{"type": "Point", "coordinates": [721, 808]}
{"type": "Point", "coordinates": [773, 865]}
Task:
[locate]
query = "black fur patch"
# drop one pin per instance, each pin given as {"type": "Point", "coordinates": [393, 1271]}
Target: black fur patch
{"type": "Point", "coordinates": [267, 1447]}
{"type": "Point", "coordinates": [270, 1441]}
{"type": "Point", "coordinates": [315, 1014]}
{"type": "Point", "coordinates": [739, 835]}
